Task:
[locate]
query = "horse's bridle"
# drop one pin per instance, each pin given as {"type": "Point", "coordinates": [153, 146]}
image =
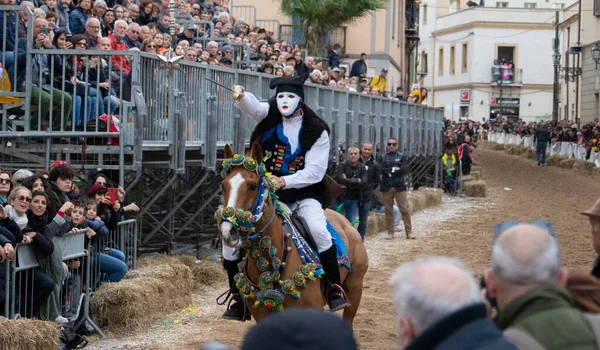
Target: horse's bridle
{"type": "Point", "coordinates": [245, 220]}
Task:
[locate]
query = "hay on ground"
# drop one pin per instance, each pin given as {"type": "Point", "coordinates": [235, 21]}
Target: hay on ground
{"type": "Point", "coordinates": [208, 273]}
{"type": "Point", "coordinates": [498, 147]}
{"type": "Point", "coordinates": [476, 175]}
{"type": "Point", "coordinates": [375, 224]}
{"type": "Point", "coordinates": [596, 172]}
{"type": "Point", "coordinates": [482, 144]}
{"type": "Point", "coordinates": [477, 168]}
{"type": "Point", "coordinates": [555, 159]}
{"type": "Point", "coordinates": [529, 154]}
{"type": "Point", "coordinates": [512, 150]}
{"type": "Point", "coordinates": [433, 196]}
{"type": "Point", "coordinates": [142, 297]}
{"type": "Point", "coordinates": [474, 188]}
{"type": "Point", "coordinates": [567, 163]}
{"type": "Point", "coordinates": [417, 201]}
{"type": "Point", "coordinates": [467, 178]}
{"type": "Point", "coordinates": [163, 259]}
{"type": "Point", "coordinates": [583, 167]}
{"type": "Point", "coordinates": [28, 334]}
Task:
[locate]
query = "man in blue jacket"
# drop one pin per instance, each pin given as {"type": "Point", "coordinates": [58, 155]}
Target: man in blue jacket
{"type": "Point", "coordinates": [541, 138]}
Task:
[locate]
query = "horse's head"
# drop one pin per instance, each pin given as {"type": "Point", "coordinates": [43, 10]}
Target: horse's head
{"type": "Point", "coordinates": [246, 189]}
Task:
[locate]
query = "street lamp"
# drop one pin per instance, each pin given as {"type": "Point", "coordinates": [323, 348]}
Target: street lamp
{"type": "Point", "coordinates": [596, 54]}
{"type": "Point", "coordinates": [556, 60]}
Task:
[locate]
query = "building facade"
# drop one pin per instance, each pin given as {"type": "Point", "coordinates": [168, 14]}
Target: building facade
{"type": "Point", "coordinates": [571, 62]}
{"type": "Point", "coordinates": [488, 61]}
{"type": "Point", "coordinates": [589, 102]}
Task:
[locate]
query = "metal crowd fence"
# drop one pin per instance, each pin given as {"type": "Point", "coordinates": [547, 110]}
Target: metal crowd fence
{"type": "Point", "coordinates": [569, 149]}
{"type": "Point", "coordinates": [31, 290]}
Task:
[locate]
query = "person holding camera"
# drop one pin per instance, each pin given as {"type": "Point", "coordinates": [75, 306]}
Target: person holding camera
{"type": "Point", "coordinates": [394, 168]}
{"type": "Point", "coordinates": [43, 95]}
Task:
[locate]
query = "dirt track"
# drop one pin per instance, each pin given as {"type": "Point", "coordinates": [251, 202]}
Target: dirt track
{"type": "Point", "coordinates": [459, 228]}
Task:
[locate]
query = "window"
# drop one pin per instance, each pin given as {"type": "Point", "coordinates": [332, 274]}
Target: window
{"type": "Point", "coordinates": [424, 65]}
{"type": "Point", "coordinates": [424, 14]}
{"type": "Point", "coordinates": [464, 57]}
{"type": "Point", "coordinates": [452, 59]}
{"type": "Point", "coordinates": [596, 104]}
{"type": "Point", "coordinates": [558, 6]}
{"type": "Point", "coordinates": [596, 7]}
{"type": "Point", "coordinates": [501, 4]}
{"type": "Point", "coordinates": [454, 6]}
{"type": "Point", "coordinates": [530, 5]}
{"type": "Point", "coordinates": [441, 62]}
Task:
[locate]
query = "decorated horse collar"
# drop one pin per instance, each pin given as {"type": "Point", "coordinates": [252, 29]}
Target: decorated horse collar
{"type": "Point", "coordinates": [244, 220]}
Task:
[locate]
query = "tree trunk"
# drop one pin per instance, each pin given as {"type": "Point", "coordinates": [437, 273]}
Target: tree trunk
{"type": "Point", "coordinates": [311, 38]}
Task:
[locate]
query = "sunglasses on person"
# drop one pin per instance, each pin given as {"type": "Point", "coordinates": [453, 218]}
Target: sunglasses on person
{"type": "Point", "coordinates": [391, 144]}
{"type": "Point", "coordinates": [151, 46]}
{"type": "Point", "coordinates": [23, 199]}
{"type": "Point", "coordinates": [4, 181]}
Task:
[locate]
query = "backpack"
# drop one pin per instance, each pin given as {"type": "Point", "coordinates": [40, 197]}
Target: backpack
{"type": "Point", "coordinates": [69, 339]}
{"type": "Point", "coordinates": [524, 341]}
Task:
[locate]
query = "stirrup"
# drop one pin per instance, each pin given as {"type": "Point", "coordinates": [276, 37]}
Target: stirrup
{"type": "Point", "coordinates": [342, 292]}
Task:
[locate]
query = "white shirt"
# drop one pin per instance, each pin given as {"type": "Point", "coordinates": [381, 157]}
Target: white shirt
{"type": "Point", "coordinates": [315, 160]}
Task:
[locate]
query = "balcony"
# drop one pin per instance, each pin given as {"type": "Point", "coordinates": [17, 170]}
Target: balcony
{"type": "Point", "coordinates": [504, 76]}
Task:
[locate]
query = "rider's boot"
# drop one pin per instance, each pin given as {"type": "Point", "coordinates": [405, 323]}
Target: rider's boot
{"type": "Point", "coordinates": [236, 310]}
{"type": "Point", "coordinates": [335, 298]}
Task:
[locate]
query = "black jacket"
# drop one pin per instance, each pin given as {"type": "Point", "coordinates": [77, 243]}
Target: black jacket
{"type": "Point", "coordinates": [468, 328]}
{"type": "Point", "coordinates": [351, 180]}
{"type": "Point", "coordinates": [333, 58]}
{"type": "Point", "coordinates": [391, 178]}
{"type": "Point", "coordinates": [373, 178]}
{"type": "Point", "coordinates": [542, 135]}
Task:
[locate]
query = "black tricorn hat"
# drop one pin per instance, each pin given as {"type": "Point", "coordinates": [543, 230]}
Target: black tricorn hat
{"type": "Point", "coordinates": [293, 84]}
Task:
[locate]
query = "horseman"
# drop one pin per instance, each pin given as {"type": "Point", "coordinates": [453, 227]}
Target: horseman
{"type": "Point", "coordinates": [296, 144]}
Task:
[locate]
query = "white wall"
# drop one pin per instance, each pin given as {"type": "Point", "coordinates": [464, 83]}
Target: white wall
{"type": "Point", "coordinates": [541, 103]}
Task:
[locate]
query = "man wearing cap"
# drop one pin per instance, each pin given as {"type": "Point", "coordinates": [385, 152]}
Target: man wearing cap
{"type": "Point", "coordinates": [379, 82]}
{"type": "Point", "coordinates": [594, 215]}
{"type": "Point", "coordinates": [295, 141]}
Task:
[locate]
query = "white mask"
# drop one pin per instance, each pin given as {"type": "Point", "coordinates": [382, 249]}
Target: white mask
{"type": "Point", "coordinates": [288, 103]}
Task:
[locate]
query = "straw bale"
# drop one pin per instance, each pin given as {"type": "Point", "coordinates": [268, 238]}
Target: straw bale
{"type": "Point", "coordinates": [555, 159]}
{"type": "Point", "coordinates": [164, 259]}
{"type": "Point", "coordinates": [520, 149]}
{"type": "Point", "coordinates": [476, 175]}
{"type": "Point", "coordinates": [498, 147]}
{"type": "Point", "coordinates": [529, 154]}
{"type": "Point", "coordinates": [467, 178]}
{"type": "Point", "coordinates": [142, 297]}
{"type": "Point", "coordinates": [482, 144]}
{"type": "Point", "coordinates": [28, 334]}
{"type": "Point", "coordinates": [433, 196]}
{"type": "Point", "coordinates": [477, 168]}
{"type": "Point", "coordinates": [474, 188]}
{"type": "Point", "coordinates": [583, 167]}
{"type": "Point", "coordinates": [208, 273]}
{"type": "Point", "coordinates": [567, 163]}
{"type": "Point", "coordinates": [511, 150]}
{"type": "Point", "coordinates": [375, 224]}
{"type": "Point", "coordinates": [417, 201]}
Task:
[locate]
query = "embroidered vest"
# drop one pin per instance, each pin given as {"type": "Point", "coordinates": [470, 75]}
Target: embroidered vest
{"type": "Point", "coordinates": [282, 161]}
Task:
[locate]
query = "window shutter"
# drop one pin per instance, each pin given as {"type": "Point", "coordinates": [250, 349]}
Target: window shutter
{"type": "Point", "coordinates": [596, 7]}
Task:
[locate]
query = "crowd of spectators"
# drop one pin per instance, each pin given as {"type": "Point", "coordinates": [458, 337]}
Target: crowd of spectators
{"type": "Point", "coordinates": [503, 71]}
{"type": "Point", "coordinates": [203, 31]}
{"type": "Point", "coordinates": [38, 208]}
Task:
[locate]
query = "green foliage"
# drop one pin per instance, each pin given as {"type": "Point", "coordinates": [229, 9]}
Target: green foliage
{"type": "Point", "coordinates": [317, 16]}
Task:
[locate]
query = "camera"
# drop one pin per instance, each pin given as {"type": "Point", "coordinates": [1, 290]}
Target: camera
{"type": "Point", "coordinates": [44, 30]}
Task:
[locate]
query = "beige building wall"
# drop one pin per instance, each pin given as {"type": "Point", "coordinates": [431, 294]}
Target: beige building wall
{"type": "Point", "coordinates": [589, 104]}
{"type": "Point", "coordinates": [569, 89]}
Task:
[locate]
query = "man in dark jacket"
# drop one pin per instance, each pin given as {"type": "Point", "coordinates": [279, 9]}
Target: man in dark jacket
{"type": "Point", "coordinates": [541, 139]}
{"type": "Point", "coordinates": [334, 56]}
{"type": "Point", "coordinates": [433, 316]}
{"type": "Point", "coordinates": [527, 280]}
{"type": "Point", "coordinates": [373, 180]}
{"type": "Point", "coordinates": [359, 67]}
{"type": "Point", "coordinates": [353, 175]}
{"type": "Point", "coordinates": [8, 38]}
{"type": "Point", "coordinates": [394, 167]}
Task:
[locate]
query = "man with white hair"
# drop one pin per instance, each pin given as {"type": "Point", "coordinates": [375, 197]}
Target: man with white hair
{"type": "Point", "coordinates": [439, 306]}
{"type": "Point", "coordinates": [213, 48]}
{"type": "Point", "coordinates": [132, 35]}
{"type": "Point", "coordinates": [92, 32]}
{"type": "Point", "coordinates": [100, 8]}
{"type": "Point", "coordinates": [117, 40]}
{"type": "Point", "coordinates": [527, 281]}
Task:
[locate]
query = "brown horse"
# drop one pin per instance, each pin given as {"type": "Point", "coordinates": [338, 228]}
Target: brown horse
{"type": "Point", "coordinates": [241, 187]}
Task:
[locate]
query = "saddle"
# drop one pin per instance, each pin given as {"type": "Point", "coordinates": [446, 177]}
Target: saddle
{"type": "Point", "coordinates": [300, 224]}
